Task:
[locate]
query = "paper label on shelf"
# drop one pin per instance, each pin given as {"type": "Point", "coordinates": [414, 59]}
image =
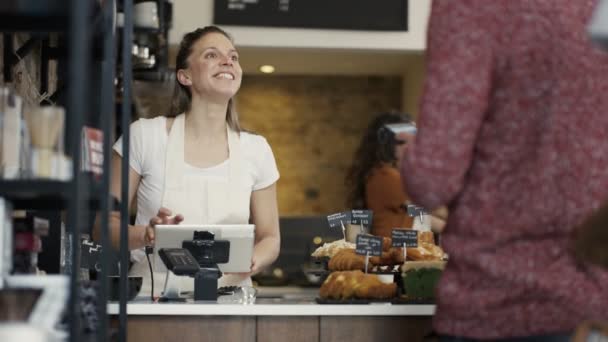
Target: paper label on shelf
{"type": "Point", "coordinates": [92, 150]}
{"type": "Point", "coordinates": [11, 132]}
{"type": "Point", "coordinates": [41, 226]}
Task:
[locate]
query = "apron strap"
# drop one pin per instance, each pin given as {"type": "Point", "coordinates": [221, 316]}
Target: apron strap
{"type": "Point", "coordinates": [235, 156]}
{"type": "Point", "coordinates": [174, 158]}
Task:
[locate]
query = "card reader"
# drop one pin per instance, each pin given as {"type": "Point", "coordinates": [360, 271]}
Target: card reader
{"type": "Point", "coordinates": [179, 261]}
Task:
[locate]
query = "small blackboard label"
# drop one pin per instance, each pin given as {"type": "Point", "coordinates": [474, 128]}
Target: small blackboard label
{"type": "Point", "coordinates": [363, 217]}
{"type": "Point", "coordinates": [369, 244]}
{"type": "Point", "coordinates": [90, 255]}
{"type": "Point", "coordinates": [339, 219]}
{"type": "Point", "coordinates": [409, 237]}
{"type": "Point", "coordinates": [411, 210]}
{"type": "Point", "coordinates": [414, 210]}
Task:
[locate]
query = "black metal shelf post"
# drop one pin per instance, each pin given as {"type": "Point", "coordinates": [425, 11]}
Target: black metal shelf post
{"type": "Point", "coordinates": [127, 41]}
{"type": "Point", "coordinates": [107, 112]}
{"type": "Point", "coordinates": [81, 193]}
{"type": "Point", "coordinates": [79, 52]}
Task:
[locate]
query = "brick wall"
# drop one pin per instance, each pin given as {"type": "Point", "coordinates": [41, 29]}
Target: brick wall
{"type": "Point", "coordinates": [314, 124]}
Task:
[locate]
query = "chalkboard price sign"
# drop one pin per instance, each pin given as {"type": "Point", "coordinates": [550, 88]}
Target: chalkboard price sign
{"type": "Point", "coordinates": [339, 219]}
{"type": "Point", "coordinates": [362, 217]}
{"type": "Point", "coordinates": [369, 245]}
{"type": "Point", "coordinates": [407, 237]}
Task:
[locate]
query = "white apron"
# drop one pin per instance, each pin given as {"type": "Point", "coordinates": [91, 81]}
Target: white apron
{"type": "Point", "coordinates": [201, 200]}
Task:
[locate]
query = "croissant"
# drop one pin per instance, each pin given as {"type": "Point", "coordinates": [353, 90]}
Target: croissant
{"type": "Point", "coordinates": [356, 284]}
{"type": "Point", "coordinates": [386, 244]}
{"type": "Point", "coordinates": [425, 251]}
{"type": "Point", "coordinates": [386, 259]}
{"type": "Point", "coordinates": [397, 255]}
{"type": "Point", "coordinates": [346, 260]}
{"type": "Point", "coordinates": [426, 236]}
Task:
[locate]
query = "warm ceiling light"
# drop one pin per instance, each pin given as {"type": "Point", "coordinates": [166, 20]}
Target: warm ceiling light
{"type": "Point", "coordinates": [267, 69]}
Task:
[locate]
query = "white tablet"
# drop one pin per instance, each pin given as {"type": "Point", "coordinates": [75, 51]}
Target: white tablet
{"type": "Point", "coordinates": [241, 237]}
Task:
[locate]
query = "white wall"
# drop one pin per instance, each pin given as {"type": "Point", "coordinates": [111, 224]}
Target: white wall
{"type": "Point", "coordinates": [190, 14]}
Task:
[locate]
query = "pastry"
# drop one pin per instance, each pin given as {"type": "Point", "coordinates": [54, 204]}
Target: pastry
{"type": "Point", "coordinates": [426, 236]}
{"type": "Point", "coordinates": [386, 259]}
{"type": "Point", "coordinates": [356, 284]}
{"type": "Point", "coordinates": [330, 249]}
{"type": "Point", "coordinates": [425, 251]}
{"type": "Point", "coordinates": [386, 244]}
{"type": "Point", "coordinates": [349, 260]}
{"type": "Point", "coordinates": [346, 260]}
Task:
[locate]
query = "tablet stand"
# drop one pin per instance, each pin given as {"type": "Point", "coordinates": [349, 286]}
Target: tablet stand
{"type": "Point", "coordinates": [207, 253]}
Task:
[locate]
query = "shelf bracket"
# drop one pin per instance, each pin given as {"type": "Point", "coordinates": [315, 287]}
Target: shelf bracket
{"type": "Point", "coordinates": [44, 65]}
{"type": "Point", "coordinates": [55, 96]}
{"type": "Point", "coordinates": [10, 57]}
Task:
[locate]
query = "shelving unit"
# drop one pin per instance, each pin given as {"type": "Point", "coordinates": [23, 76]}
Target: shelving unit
{"type": "Point", "coordinates": [44, 194]}
{"type": "Point", "coordinates": [90, 34]}
{"type": "Point", "coordinates": [159, 40]}
{"type": "Point", "coordinates": [34, 16]}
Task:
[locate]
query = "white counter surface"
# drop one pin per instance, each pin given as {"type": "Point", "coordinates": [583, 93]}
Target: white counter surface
{"type": "Point", "coordinates": [278, 309]}
{"type": "Point", "coordinates": [273, 301]}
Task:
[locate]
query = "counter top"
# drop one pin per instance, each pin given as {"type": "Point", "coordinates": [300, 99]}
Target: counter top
{"type": "Point", "coordinates": [262, 308]}
{"type": "Point", "coordinates": [272, 301]}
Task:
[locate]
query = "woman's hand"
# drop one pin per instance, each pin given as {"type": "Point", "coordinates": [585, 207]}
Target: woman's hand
{"type": "Point", "coordinates": [439, 219]}
{"type": "Point", "coordinates": [162, 217]}
{"type": "Point", "coordinates": [255, 268]}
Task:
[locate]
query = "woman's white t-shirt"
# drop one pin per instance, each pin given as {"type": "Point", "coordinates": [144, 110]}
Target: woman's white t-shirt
{"type": "Point", "coordinates": [147, 157]}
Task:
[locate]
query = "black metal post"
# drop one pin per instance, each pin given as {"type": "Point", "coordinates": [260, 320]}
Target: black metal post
{"type": "Point", "coordinates": [44, 65]}
{"type": "Point", "coordinates": [7, 39]}
{"type": "Point", "coordinates": [107, 126]}
{"type": "Point", "coordinates": [126, 121]}
{"type": "Point", "coordinates": [160, 4]}
{"type": "Point", "coordinates": [79, 52]}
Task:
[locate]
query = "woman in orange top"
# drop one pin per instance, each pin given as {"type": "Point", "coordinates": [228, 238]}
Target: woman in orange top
{"type": "Point", "coordinates": [374, 182]}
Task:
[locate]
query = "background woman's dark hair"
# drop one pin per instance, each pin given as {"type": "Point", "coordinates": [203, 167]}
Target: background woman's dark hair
{"type": "Point", "coordinates": [182, 98]}
{"type": "Point", "coordinates": [372, 152]}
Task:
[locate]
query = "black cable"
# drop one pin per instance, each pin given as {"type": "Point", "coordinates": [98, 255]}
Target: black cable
{"type": "Point", "coordinates": [150, 250]}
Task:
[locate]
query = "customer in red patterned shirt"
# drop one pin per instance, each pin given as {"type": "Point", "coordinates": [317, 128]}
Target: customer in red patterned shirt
{"type": "Point", "coordinates": [513, 137]}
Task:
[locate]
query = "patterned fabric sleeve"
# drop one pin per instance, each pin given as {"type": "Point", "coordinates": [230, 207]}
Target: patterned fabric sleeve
{"type": "Point", "coordinates": [460, 56]}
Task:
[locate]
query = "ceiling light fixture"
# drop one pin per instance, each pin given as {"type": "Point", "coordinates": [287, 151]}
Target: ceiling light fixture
{"type": "Point", "coordinates": [267, 69]}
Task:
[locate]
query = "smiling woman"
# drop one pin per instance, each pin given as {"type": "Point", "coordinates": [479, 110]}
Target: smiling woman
{"type": "Point", "coordinates": [190, 48]}
{"type": "Point", "coordinates": [196, 165]}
